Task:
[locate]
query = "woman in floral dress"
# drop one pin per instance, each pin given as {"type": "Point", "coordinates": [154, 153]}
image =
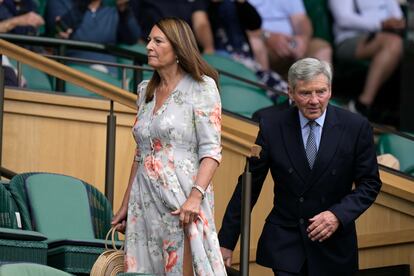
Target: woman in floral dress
{"type": "Point", "coordinates": [168, 205]}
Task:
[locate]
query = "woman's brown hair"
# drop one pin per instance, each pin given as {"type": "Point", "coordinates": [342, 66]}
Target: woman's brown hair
{"type": "Point", "coordinates": [185, 48]}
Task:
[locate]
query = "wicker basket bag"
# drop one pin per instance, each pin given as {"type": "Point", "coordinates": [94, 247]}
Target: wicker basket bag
{"type": "Point", "coordinates": [111, 261]}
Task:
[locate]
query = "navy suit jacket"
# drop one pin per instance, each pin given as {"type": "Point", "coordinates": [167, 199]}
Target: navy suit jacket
{"type": "Point", "coordinates": [346, 155]}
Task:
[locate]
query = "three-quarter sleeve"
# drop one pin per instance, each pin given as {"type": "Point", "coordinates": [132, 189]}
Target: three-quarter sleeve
{"type": "Point", "coordinates": [141, 90]}
{"type": "Point", "coordinates": [207, 120]}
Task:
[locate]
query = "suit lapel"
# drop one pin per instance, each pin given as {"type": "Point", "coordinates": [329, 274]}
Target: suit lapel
{"type": "Point", "coordinates": [331, 135]}
{"type": "Point", "coordinates": [292, 136]}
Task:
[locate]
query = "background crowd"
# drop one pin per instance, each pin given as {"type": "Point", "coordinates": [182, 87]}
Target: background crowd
{"type": "Point", "coordinates": [265, 35]}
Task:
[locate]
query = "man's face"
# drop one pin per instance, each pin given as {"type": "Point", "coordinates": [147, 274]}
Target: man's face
{"type": "Point", "coordinates": [312, 96]}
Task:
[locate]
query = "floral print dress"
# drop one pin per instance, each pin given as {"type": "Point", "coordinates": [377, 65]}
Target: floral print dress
{"type": "Point", "coordinates": [170, 146]}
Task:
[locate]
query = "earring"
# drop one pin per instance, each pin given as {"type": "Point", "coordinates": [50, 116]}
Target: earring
{"type": "Point", "coordinates": [176, 59]}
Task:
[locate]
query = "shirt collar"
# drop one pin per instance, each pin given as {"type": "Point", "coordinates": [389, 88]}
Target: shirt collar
{"type": "Point", "coordinates": [304, 121]}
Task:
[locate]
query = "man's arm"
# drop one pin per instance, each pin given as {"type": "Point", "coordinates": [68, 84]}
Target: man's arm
{"type": "Point", "coordinates": [55, 9]}
{"type": "Point", "coordinates": [230, 229]}
{"type": "Point", "coordinates": [27, 19]}
{"type": "Point", "coordinates": [129, 30]}
{"type": "Point", "coordinates": [202, 31]}
{"type": "Point", "coordinates": [259, 48]}
{"type": "Point", "coordinates": [367, 181]}
{"type": "Point", "coordinates": [302, 29]}
{"type": "Point", "coordinates": [345, 16]}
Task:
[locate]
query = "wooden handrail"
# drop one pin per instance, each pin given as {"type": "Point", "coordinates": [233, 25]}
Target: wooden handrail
{"type": "Point", "coordinates": [68, 74]}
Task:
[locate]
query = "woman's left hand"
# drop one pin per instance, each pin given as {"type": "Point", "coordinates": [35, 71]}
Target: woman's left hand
{"type": "Point", "coordinates": [190, 210]}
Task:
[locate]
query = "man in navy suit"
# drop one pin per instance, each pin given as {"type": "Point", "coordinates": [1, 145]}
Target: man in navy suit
{"type": "Point", "coordinates": [315, 152]}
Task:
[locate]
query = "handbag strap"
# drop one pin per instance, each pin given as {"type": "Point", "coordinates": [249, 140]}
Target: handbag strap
{"type": "Point", "coordinates": [112, 233]}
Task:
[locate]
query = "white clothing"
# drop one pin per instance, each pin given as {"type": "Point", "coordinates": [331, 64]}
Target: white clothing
{"type": "Point", "coordinates": [349, 23]}
{"type": "Point", "coordinates": [276, 14]}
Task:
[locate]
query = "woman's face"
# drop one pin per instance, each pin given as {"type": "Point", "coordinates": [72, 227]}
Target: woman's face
{"type": "Point", "coordinates": [159, 50]}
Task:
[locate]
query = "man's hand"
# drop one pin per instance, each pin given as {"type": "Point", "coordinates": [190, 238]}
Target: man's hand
{"type": "Point", "coordinates": [66, 34]}
{"type": "Point", "coordinates": [322, 226]}
{"type": "Point", "coordinates": [122, 5]}
{"type": "Point", "coordinates": [393, 24]}
{"type": "Point", "coordinates": [280, 45]}
{"type": "Point", "coordinates": [299, 46]}
{"type": "Point", "coordinates": [227, 256]}
{"type": "Point", "coordinates": [30, 19]}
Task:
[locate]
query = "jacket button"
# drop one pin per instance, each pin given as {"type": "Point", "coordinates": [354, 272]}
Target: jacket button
{"type": "Point", "coordinates": [301, 199]}
{"type": "Point", "coordinates": [301, 221]}
{"type": "Point", "coordinates": [290, 170]}
{"type": "Point", "coordinates": [333, 172]}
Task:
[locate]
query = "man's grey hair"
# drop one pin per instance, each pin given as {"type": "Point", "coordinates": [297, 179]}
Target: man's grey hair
{"type": "Point", "coordinates": [308, 68]}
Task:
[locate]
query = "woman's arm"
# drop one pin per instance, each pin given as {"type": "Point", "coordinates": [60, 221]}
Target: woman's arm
{"type": "Point", "coordinates": [207, 124]}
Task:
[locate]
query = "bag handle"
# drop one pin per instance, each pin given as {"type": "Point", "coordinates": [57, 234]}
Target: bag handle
{"type": "Point", "coordinates": [112, 233]}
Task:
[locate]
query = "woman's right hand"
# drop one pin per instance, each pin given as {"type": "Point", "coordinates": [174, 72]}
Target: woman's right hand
{"type": "Point", "coordinates": [120, 219]}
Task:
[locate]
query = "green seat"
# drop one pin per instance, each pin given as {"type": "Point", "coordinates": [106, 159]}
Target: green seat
{"type": "Point", "coordinates": [29, 269]}
{"type": "Point", "coordinates": [63, 211]}
{"type": "Point", "coordinates": [138, 48]}
{"type": "Point", "coordinates": [22, 246]}
{"type": "Point", "coordinates": [41, 8]}
{"type": "Point", "coordinates": [243, 100]}
{"type": "Point", "coordinates": [35, 79]}
{"type": "Point", "coordinates": [319, 15]}
{"type": "Point", "coordinates": [146, 75]}
{"type": "Point", "coordinates": [337, 102]}
{"type": "Point", "coordinates": [141, 51]}
{"type": "Point", "coordinates": [228, 65]}
{"type": "Point", "coordinates": [402, 148]}
{"type": "Point", "coordinates": [72, 89]}
{"type": "Point", "coordinates": [8, 209]}
{"type": "Point", "coordinates": [18, 245]}
{"type": "Point", "coordinates": [72, 214]}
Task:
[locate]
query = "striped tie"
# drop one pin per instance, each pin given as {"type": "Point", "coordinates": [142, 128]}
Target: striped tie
{"type": "Point", "coordinates": [311, 149]}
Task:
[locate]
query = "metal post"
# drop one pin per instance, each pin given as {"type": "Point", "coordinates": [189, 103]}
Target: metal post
{"type": "Point", "coordinates": [1, 108]}
{"type": "Point", "coordinates": [60, 84]}
{"type": "Point", "coordinates": [110, 154]}
{"type": "Point", "coordinates": [19, 73]}
{"type": "Point", "coordinates": [124, 79]}
{"type": "Point", "coordinates": [245, 221]}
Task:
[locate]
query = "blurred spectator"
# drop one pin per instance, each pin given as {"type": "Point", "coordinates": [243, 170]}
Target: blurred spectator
{"type": "Point", "coordinates": [369, 29]}
{"type": "Point", "coordinates": [194, 12]}
{"type": "Point", "coordinates": [10, 73]}
{"type": "Point", "coordinates": [92, 21]}
{"type": "Point", "coordinates": [17, 17]}
{"type": "Point", "coordinates": [286, 35]}
{"type": "Point", "coordinates": [231, 20]}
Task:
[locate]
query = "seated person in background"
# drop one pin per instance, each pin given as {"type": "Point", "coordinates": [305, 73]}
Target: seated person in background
{"type": "Point", "coordinates": [369, 29]}
{"type": "Point", "coordinates": [92, 21]}
{"type": "Point", "coordinates": [194, 12]}
{"type": "Point", "coordinates": [17, 17]}
{"type": "Point", "coordinates": [286, 35]}
{"type": "Point", "coordinates": [230, 22]}
{"type": "Point", "coordinates": [10, 73]}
